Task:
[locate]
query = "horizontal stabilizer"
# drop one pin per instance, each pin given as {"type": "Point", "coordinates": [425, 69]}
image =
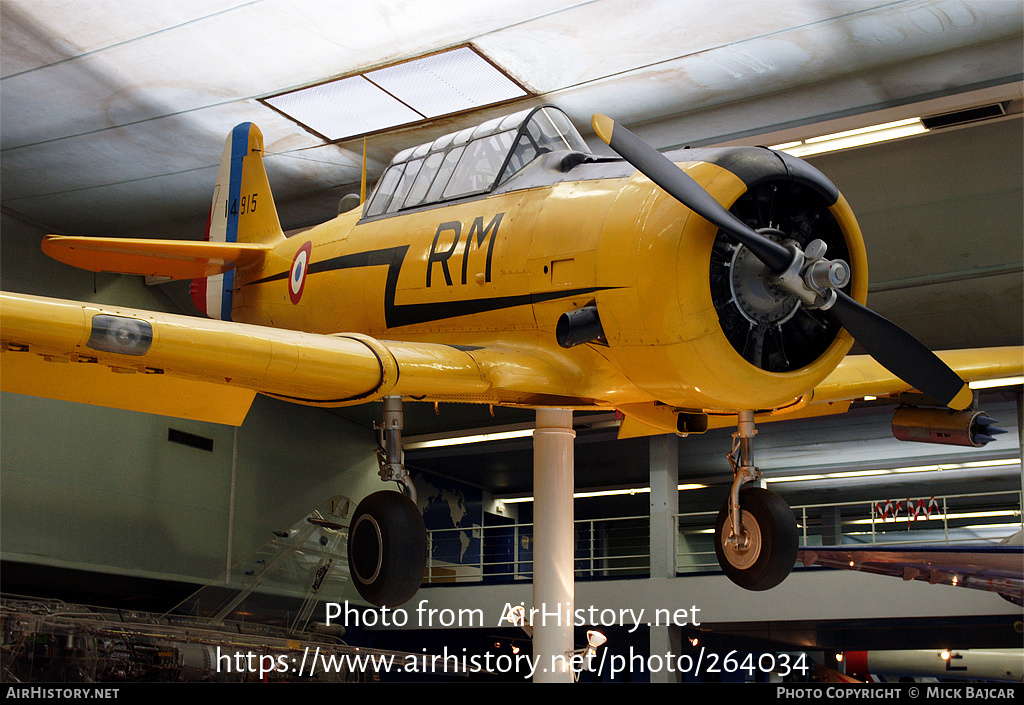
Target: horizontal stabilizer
{"type": "Point", "coordinates": [174, 259]}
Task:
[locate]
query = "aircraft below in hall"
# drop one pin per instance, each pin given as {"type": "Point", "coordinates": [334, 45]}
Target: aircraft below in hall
{"type": "Point", "coordinates": [507, 264]}
{"type": "Point", "coordinates": [993, 567]}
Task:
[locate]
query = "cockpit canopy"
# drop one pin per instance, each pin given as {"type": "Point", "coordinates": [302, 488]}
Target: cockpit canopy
{"type": "Point", "coordinates": [473, 161]}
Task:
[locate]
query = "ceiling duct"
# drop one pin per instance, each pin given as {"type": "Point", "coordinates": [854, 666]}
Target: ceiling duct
{"type": "Point", "coordinates": [960, 117]}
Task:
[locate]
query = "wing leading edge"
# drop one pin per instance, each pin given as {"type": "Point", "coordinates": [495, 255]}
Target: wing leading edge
{"type": "Point", "coordinates": [858, 376]}
{"type": "Point", "coordinates": [179, 365]}
{"type": "Point", "coordinates": [206, 369]}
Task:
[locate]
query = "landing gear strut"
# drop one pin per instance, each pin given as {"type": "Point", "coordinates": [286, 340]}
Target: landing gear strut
{"type": "Point", "coordinates": [756, 538]}
{"type": "Point", "coordinates": [387, 541]}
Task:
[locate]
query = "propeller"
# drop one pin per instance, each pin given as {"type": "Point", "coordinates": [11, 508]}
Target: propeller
{"type": "Point", "coordinates": [804, 273]}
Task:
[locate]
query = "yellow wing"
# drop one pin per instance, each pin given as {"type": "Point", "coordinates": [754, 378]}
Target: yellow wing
{"type": "Point", "coordinates": [210, 370]}
{"type": "Point", "coordinates": [856, 377]}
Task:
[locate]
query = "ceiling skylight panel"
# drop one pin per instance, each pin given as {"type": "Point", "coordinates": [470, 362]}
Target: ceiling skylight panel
{"type": "Point", "coordinates": [448, 82]}
{"type": "Point", "coordinates": [413, 91]}
{"type": "Point", "coordinates": [350, 106]}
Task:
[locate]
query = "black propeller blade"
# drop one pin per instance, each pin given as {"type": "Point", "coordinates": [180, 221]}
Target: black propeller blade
{"type": "Point", "coordinates": [659, 169]}
{"type": "Point", "coordinates": [890, 345]}
{"type": "Point", "coordinates": [902, 354]}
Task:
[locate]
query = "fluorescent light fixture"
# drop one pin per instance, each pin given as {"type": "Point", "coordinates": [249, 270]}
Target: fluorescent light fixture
{"type": "Point", "coordinates": [605, 493]}
{"type": "Point", "coordinates": [988, 463]}
{"type": "Point", "coordinates": [612, 493]}
{"type": "Point", "coordinates": [516, 500]}
{"type": "Point", "coordinates": [494, 433]}
{"type": "Point", "coordinates": [793, 478]}
{"type": "Point", "coordinates": [992, 383]}
{"type": "Point", "coordinates": [856, 473]}
{"type": "Point", "coordinates": [896, 471]}
{"type": "Point", "coordinates": [993, 527]}
{"type": "Point", "coordinates": [440, 84]}
{"type": "Point", "coordinates": [803, 478]}
{"type": "Point", "coordinates": [853, 138]}
{"type": "Point", "coordinates": [464, 440]}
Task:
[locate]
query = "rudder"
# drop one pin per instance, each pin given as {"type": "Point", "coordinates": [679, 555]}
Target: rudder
{"type": "Point", "coordinates": [242, 210]}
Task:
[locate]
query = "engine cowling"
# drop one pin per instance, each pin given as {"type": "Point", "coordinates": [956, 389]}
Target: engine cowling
{"type": "Point", "coordinates": [723, 336]}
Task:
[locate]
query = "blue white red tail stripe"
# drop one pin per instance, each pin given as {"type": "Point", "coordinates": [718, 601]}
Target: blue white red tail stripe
{"type": "Point", "coordinates": [241, 190]}
{"type": "Point", "coordinates": [214, 296]}
{"type": "Point", "coordinates": [239, 150]}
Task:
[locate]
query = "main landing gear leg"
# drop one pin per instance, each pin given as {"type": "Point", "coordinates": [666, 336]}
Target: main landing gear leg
{"type": "Point", "coordinates": [389, 454]}
{"type": "Point", "coordinates": [756, 538]}
{"type": "Point", "coordinates": [387, 541]}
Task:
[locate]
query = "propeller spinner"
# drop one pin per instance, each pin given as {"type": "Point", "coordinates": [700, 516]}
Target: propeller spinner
{"type": "Point", "coordinates": [806, 274]}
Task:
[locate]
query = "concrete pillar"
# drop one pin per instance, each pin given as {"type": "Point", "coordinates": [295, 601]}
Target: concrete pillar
{"type": "Point", "coordinates": [553, 549]}
{"type": "Point", "coordinates": [831, 526]}
{"type": "Point", "coordinates": [664, 506]}
{"type": "Point", "coordinates": [664, 478]}
{"type": "Point", "coordinates": [1020, 442]}
{"type": "Point", "coordinates": [666, 643]}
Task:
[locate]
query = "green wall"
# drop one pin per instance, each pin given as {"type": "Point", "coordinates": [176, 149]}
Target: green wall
{"type": "Point", "coordinates": [104, 490]}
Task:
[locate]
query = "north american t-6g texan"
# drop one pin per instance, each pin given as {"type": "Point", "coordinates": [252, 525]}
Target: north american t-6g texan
{"type": "Point", "coordinates": [507, 264]}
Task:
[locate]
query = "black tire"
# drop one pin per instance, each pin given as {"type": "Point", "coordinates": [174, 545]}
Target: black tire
{"type": "Point", "coordinates": [774, 536]}
{"type": "Point", "coordinates": [387, 548]}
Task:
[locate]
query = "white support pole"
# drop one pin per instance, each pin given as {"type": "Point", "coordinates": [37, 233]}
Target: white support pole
{"type": "Point", "coordinates": [1020, 445]}
{"type": "Point", "coordinates": [553, 549]}
{"type": "Point", "coordinates": [664, 506]}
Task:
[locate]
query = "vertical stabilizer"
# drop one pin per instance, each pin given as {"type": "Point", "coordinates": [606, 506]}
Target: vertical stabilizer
{"type": "Point", "coordinates": [242, 210]}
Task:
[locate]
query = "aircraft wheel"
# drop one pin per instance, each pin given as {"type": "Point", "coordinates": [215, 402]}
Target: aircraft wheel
{"type": "Point", "coordinates": [767, 553]}
{"type": "Point", "coordinates": [387, 548]}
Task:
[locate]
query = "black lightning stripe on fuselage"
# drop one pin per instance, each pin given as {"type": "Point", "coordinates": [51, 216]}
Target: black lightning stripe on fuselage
{"type": "Point", "coordinates": [397, 315]}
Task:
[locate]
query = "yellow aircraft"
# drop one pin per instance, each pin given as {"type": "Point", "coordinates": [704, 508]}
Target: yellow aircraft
{"type": "Point", "coordinates": [507, 264]}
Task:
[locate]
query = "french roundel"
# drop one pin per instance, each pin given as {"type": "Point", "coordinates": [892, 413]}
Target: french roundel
{"type": "Point", "coordinates": [297, 277]}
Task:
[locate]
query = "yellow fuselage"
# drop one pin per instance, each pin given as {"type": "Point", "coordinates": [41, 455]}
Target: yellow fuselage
{"type": "Point", "coordinates": [498, 271]}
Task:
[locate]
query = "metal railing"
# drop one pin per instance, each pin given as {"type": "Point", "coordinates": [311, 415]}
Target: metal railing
{"type": "Point", "coordinates": [620, 546]}
{"type": "Point", "coordinates": [604, 548]}
{"type": "Point", "coordinates": [975, 518]}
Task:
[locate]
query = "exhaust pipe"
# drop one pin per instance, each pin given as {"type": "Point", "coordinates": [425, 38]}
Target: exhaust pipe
{"type": "Point", "coordinates": [578, 327]}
